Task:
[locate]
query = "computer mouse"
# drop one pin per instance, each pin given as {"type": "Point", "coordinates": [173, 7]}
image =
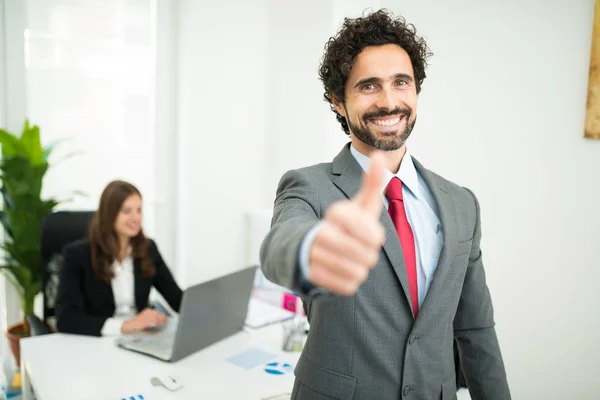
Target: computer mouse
{"type": "Point", "coordinates": [168, 381]}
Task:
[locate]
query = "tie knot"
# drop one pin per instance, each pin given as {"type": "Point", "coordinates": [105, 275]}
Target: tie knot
{"type": "Point", "coordinates": [394, 189]}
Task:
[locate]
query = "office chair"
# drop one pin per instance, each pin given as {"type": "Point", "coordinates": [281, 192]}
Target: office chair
{"type": "Point", "coordinates": [58, 229]}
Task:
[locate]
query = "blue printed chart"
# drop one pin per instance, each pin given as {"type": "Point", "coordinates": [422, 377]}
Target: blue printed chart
{"type": "Point", "coordinates": [278, 368]}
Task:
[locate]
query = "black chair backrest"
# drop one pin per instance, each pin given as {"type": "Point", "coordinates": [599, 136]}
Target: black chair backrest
{"type": "Point", "coordinates": [58, 229]}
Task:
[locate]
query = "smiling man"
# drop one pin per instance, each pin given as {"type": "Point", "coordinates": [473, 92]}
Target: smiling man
{"type": "Point", "coordinates": [385, 253]}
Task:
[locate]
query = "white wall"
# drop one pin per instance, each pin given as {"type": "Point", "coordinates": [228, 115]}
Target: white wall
{"type": "Point", "coordinates": [502, 112]}
{"type": "Point", "coordinates": [166, 132]}
{"type": "Point", "coordinates": [221, 125]}
{"type": "Point", "coordinates": [297, 118]}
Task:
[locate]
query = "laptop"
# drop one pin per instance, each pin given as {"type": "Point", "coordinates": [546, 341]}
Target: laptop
{"type": "Point", "coordinates": [210, 311]}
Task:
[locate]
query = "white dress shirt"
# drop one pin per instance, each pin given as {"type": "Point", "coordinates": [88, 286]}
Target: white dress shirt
{"type": "Point", "coordinates": [124, 294]}
{"type": "Point", "coordinates": [421, 212]}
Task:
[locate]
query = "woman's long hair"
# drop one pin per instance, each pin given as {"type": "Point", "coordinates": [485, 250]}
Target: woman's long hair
{"type": "Point", "coordinates": [104, 241]}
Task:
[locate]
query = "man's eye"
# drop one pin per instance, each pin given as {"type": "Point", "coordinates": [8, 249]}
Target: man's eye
{"type": "Point", "coordinates": [401, 83]}
{"type": "Point", "coordinates": [368, 86]}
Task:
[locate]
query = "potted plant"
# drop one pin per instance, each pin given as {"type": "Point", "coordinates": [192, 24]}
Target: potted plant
{"type": "Point", "coordinates": [23, 165]}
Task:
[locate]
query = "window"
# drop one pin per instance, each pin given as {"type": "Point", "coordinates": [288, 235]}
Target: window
{"type": "Point", "coordinates": [90, 74]}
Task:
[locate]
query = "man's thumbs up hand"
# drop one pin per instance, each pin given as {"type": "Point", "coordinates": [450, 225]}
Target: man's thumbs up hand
{"type": "Point", "coordinates": [348, 243]}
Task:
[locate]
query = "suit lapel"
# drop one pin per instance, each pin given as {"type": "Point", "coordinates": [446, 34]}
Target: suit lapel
{"type": "Point", "coordinates": [107, 293]}
{"type": "Point", "coordinates": [348, 180]}
{"type": "Point", "coordinates": [447, 214]}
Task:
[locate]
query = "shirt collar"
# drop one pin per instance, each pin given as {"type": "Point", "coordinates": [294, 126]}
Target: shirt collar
{"type": "Point", "coordinates": [407, 172]}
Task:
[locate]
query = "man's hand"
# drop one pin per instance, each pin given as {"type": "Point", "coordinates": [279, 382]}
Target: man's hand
{"type": "Point", "coordinates": [147, 318]}
{"type": "Point", "coordinates": [348, 243]}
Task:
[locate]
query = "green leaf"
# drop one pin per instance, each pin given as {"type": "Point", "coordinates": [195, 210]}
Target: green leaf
{"type": "Point", "coordinates": [80, 193]}
{"type": "Point", "coordinates": [50, 147]}
{"type": "Point", "coordinates": [5, 223]}
{"type": "Point", "coordinates": [49, 205]}
{"type": "Point", "coordinates": [8, 203]}
{"type": "Point", "coordinates": [67, 156]}
{"type": "Point", "coordinates": [33, 290]}
{"type": "Point", "coordinates": [23, 166]}
{"type": "Point", "coordinates": [11, 145]}
{"type": "Point", "coordinates": [20, 177]}
{"type": "Point", "coordinates": [30, 140]}
{"type": "Point", "coordinates": [76, 193]}
{"type": "Point", "coordinates": [7, 272]}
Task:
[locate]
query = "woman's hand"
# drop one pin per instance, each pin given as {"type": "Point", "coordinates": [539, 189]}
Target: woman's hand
{"type": "Point", "coordinates": [147, 318]}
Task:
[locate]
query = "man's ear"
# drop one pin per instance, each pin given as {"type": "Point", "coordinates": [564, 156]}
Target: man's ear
{"type": "Point", "coordinates": [338, 105]}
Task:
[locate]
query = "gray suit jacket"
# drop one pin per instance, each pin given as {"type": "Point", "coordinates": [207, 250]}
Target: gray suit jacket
{"type": "Point", "coordinates": [368, 346]}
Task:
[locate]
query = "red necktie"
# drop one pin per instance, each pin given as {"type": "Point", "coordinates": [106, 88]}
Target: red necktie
{"type": "Point", "coordinates": [396, 210]}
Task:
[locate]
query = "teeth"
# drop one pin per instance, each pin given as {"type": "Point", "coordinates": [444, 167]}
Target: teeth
{"type": "Point", "coordinates": [388, 122]}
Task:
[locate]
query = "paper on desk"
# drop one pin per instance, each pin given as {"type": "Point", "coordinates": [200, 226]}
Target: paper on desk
{"type": "Point", "coordinates": [261, 313]}
{"type": "Point", "coordinates": [251, 358]}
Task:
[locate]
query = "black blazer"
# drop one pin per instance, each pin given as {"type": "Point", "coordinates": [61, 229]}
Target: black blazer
{"type": "Point", "coordinates": [84, 303]}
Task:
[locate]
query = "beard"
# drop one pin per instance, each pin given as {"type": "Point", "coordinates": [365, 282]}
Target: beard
{"type": "Point", "coordinates": [386, 141]}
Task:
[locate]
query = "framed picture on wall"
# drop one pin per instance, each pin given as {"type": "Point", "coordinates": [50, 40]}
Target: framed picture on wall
{"type": "Point", "coordinates": [592, 118]}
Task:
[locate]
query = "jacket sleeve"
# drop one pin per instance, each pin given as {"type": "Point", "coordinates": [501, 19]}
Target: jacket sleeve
{"type": "Point", "coordinates": [474, 330]}
{"type": "Point", "coordinates": [164, 281]}
{"type": "Point", "coordinates": [294, 216]}
{"type": "Point", "coordinates": [70, 313]}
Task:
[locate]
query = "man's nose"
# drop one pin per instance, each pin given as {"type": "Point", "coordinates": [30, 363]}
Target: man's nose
{"type": "Point", "coordinates": [386, 100]}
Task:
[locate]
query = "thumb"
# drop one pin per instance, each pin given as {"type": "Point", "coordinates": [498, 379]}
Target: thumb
{"type": "Point", "coordinates": [369, 197]}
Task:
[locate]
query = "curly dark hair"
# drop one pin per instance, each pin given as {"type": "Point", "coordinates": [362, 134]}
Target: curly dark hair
{"type": "Point", "coordinates": [376, 29]}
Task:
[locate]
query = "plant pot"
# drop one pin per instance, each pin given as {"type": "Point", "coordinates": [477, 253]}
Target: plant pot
{"type": "Point", "coordinates": [14, 335]}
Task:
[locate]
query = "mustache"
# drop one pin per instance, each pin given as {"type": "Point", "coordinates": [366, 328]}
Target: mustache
{"type": "Point", "coordinates": [384, 113]}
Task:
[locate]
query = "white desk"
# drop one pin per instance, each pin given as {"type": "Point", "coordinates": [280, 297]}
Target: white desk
{"type": "Point", "coordinates": [71, 367]}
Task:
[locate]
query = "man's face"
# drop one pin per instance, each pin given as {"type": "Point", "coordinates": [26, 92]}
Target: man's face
{"type": "Point", "coordinates": [381, 97]}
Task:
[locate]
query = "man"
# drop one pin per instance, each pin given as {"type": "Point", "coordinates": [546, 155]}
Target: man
{"type": "Point", "coordinates": [391, 271]}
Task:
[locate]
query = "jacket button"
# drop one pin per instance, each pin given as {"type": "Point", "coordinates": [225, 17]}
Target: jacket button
{"type": "Point", "coordinates": [407, 390]}
{"type": "Point", "coordinates": [412, 339]}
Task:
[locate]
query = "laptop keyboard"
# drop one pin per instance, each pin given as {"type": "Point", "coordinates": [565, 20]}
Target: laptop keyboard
{"type": "Point", "coordinates": [158, 343]}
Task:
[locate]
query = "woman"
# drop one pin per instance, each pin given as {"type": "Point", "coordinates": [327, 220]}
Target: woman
{"type": "Point", "coordinates": [105, 279]}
